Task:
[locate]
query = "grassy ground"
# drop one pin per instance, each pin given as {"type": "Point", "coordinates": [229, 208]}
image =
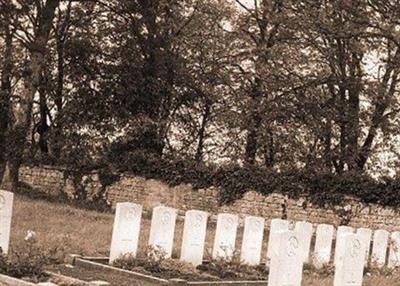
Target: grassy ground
{"type": "Point", "coordinates": [73, 230]}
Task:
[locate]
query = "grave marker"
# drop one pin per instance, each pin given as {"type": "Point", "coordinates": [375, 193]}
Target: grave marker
{"type": "Point", "coordinates": [339, 246]}
{"type": "Point", "coordinates": [286, 266]}
{"type": "Point", "coordinates": [194, 235]}
{"type": "Point", "coordinates": [252, 240]}
{"type": "Point", "coordinates": [305, 232]}
{"type": "Point", "coordinates": [6, 205]}
{"type": "Point", "coordinates": [277, 226]}
{"type": "Point", "coordinates": [225, 236]}
{"type": "Point", "coordinates": [125, 237]}
{"type": "Point", "coordinates": [379, 248]}
{"type": "Point", "coordinates": [162, 229]}
{"type": "Point", "coordinates": [394, 252]}
{"type": "Point", "coordinates": [365, 235]}
{"type": "Point", "coordinates": [349, 270]}
{"type": "Point", "coordinates": [323, 245]}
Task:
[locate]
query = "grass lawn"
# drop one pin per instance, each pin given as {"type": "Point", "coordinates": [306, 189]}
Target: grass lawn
{"type": "Point", "coordinates": [74, 230]}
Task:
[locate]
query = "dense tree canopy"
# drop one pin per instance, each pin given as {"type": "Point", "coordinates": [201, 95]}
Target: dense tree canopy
{"type": "Point", "coordinates": [283, 85]}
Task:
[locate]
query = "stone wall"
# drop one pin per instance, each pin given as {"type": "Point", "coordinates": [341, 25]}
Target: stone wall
{"type": "Point", "coordinates": [150, 193]}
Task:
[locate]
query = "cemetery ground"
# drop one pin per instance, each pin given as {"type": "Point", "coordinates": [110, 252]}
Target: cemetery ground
{"type": "Point", "coordinates": [60, 229]}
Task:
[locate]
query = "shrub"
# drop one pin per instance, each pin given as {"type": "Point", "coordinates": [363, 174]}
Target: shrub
{"type": "Point", "coordinates": [28, 261]}
{"type": "Point", "coordinates": [234, 180]}
{"type": "Point", "coordinates": [234, 268]}
{"type": "Point", "coordinates": [156, 263]}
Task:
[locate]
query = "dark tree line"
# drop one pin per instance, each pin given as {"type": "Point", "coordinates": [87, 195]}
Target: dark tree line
{"type": "Point", "coordinates": [271, 83]}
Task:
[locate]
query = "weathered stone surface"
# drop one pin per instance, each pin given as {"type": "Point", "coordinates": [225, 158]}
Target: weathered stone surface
{"type": "Point", "coordinates": [286, 266]}
{"type": "Point", "coordinates": [394, 250]}
{"type": "Point", "coordinates": [365, 235]}
{"type": "Point", "coordinates": [6, 207]}
{"type": "Point", "coordinates": [323, 245]}
{"type": "Point", "coordinates": [162, 230]}
{"type": "Point", "coordinates": [276, 226]}
{"type": "Point", "coordinates": [379, 248]}
{"type": "Point", "coordinates": [349, 270]}
{"type": "Point", "coordinates": [305, 232]}
{"type": "Point", "coordinates": [125, 237]}
{"type": "Point", "coordinates": [194, 235]}
{"type": "Point", "coordinates": [225, 235]}
{"type": "Point", "coordinates": [149, 193]}
{"type": "Point", "coordinates": [340, 246]}
{"type": "Point", "coordinates": [252, 240]}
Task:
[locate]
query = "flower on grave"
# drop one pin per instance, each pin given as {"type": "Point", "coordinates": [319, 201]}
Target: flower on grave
{"type": "Point", "coordinates": [30, 235]}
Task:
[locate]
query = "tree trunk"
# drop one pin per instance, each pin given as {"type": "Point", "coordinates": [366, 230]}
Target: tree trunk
{"type": "Point", "coordinates": [23, 114]}
{"type": "Point", "coordinates": [58, 101]}
{"type": "Point", "coordinates": [269, 150]}
{"type": "Point", "coordinates": [43, 127]}
{"type": "Point", "coordinates": [353, 114]}
{"type": "Point", "coordinates": [254, 125]}
{"type": "Point", "coordinates": [5, 97]}
{"type": "Point", "coordinates": [202, 131]}
{"type": "Point", "coordinates": [385, 94]}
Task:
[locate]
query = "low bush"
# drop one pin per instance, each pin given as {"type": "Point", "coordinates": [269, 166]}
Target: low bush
{"type": "Point", "coordinates": [155, 263]}
{"type": "Point", "coordinates": [28, 261]}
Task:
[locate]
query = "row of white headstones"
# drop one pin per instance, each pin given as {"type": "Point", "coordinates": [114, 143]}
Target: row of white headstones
{"type": "Point", "coordinates": [288, 249]}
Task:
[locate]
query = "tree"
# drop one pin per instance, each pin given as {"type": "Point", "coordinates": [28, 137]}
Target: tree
{"type": "Point", "coordinates": [36, 44]}
{"type": "Point", "coordinates": [344, 39]}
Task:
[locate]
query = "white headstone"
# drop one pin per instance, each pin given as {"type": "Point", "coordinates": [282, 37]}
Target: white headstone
{"type": "Point", "coordinates": [225, 236]}
{"type": "Point", "coordinates": [162, 230]}
{"type": "Point", "coordinates": [394, 252]}
{"type": "Point", "coordinates": [323, 245]}
{"type": "Point", "coordinates": [286, 266]}
{"type": "Point", "coordinates": [252, 240]}
{"type": "Point", "coordinates": [126, 229]}
{"type": "Point", "coordinates": [379, 248]}
{"type": "Point", "coordinates": [339, 246]}
{"type": "Point", "coordinates": [277, 226]}
{"type": "Point", "coordinates": [194, 236]}
{"type": "Point", "coordinates": [305, 232]}
{"type": "Point", "coordinates": [365, 235]}
{"type": "Point", "coordinates": [349, 270]}
{"type": "Point", "coordinates": [6, 205]}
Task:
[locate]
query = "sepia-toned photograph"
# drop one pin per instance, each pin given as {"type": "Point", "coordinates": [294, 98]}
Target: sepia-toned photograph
{"type": "Point", "coordinates": [200, 142]}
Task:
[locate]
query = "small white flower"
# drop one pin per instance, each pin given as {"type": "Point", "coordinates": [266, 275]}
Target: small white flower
{"type": "Point", "coordinates": [30, 235]}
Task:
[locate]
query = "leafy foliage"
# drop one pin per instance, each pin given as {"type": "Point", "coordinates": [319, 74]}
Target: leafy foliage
{"type": "Point", "coordinates": [235, 180]}
{"type": "Point", "coordinates": [155, 263]}
{"type": "Point", "coordinates": [282, 85]}
{"type": "Point", "coordinates": [29, 261]}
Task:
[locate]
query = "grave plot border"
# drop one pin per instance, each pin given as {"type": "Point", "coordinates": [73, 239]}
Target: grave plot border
{"type": "Point", "coordinates": [9, 280]}
{"type": "Point", "coordinates": [97, 263]}
{"type": "Point", "coordinates": [12, 281]}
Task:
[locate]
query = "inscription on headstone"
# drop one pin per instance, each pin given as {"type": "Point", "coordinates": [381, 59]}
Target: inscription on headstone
{"type": "Point", "coordinates": [162, 230]}
{"type": "Point", "coordinates": [323, 245]}
{"type": "Point", "coordinates": [365, 235]}
{"type": "Point", "coordinates": [126, 230]}
{"type": "Point", "coordinates": [349, 270]}
{"type": "Point", "coordinates": [194, 235]}
{"type": "Point", "coordinates": [305, 232]}
{"type": "Point", "coordinates": [379, 248]}
{"type": "Point", "coordinates": [276, 226]}
{"type": "Point", "coordinates": [225, 236]}
{"type": "Point", "coordinates": [286, 266]}
{"type": "Point", "coordinates": [339, 246]}
{"type": "Point", "coordinates": [252, 240]}
{"type": "Point", "coordinates": [394, 251]}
